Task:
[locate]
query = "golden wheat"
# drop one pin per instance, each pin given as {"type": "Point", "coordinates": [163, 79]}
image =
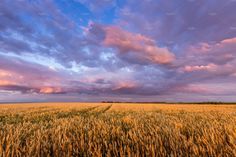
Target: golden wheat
{"type": "Point", "coordinates": [93, 129]}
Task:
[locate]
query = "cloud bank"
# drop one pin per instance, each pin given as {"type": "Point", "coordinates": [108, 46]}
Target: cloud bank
{"type": "Point", "coordinates": [110, 50]}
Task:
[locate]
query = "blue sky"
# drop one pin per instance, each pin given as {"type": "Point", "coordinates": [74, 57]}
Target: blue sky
{"type": "Point", "coordinates": [98, 50]}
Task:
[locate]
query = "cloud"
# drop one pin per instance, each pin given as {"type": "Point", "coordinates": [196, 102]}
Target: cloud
{"type": "Point", "coordinates": [127, 84]}
{"type": "Point", "coordinates": [157, 49]}
{"type": "Point", "coordinates": [40, 28]}
{"type": "Point", "coordinates": [141, 46]}
{"type": "Point", "coordinates": [51, 90]}
{"type": "Point", "coordinates": [17, 75]}
{"type": "Point", "coordinates": [27, 77]}
{"type": "Point", "coordinates": [124, 87]}
{"type": "Point", "coordinates": [17, 88]}
{"type": "Point", "coordinates": [219, 53]}
{"type": "Point", "coordinates": [209, 67]}
{"type": "Point", "coordinates": [229, 41]}
{"type": "Point", "coordinates": [178, 24]}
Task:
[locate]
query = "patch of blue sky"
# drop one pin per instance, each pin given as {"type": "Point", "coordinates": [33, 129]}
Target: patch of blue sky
{"type": "Point", "coordinates": [109, 15]}
{"type": "Point", "coordinates": [75, 11]}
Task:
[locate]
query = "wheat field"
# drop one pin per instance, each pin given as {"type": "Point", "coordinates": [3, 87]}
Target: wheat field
{"type": "Point", "coordinates": [122, 129]}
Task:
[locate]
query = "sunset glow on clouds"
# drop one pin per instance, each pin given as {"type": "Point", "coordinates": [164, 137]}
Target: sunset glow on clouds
{"type": "Point", "coordinates": [137, 44]}
{"type": "Point", "coordinates": [119, 50]}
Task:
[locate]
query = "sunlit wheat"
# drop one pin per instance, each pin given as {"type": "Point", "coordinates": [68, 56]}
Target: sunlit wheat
{"type": "Point", "coordinates": [117, 130]}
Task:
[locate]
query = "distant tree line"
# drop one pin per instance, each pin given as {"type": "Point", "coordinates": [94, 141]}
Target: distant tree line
{"type": "Point", "coordinates": [205, 102]}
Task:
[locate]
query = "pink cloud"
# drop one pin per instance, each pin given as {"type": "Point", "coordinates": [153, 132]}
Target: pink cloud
{"type": "Point", "coordinates": [9, 78]}
{"type": "Point", "coordinates": [208, 67]}
{"type": "Point", "coordinates": [229, 41]}
{"type": "Point", "coordinates": [200, 48]}
{"type": "Point", "coordinates": [4, 73]}
{"type": "Point", "coordinates": [5, 82]}
{"type": "Point", "coordinates": [125, 85]}
{"type": "Point", "coordinates": [217, 58]}
{"type": "Point", "coordinates": [224, 47]}
{"type": "Point", "coordinates": [210, 88]}
{"type": "Point", "coordinates": [138, 44]}
{"type": "Point", "coordinates": [192, 88]}
{"type": "Point", "coordinates": [50, 90]}
{"type": "Point", "coordinates": [26, 77]}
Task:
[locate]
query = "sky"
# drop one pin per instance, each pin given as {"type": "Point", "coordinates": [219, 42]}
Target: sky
{"type": "Point", "coordinates": [117, 50]}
